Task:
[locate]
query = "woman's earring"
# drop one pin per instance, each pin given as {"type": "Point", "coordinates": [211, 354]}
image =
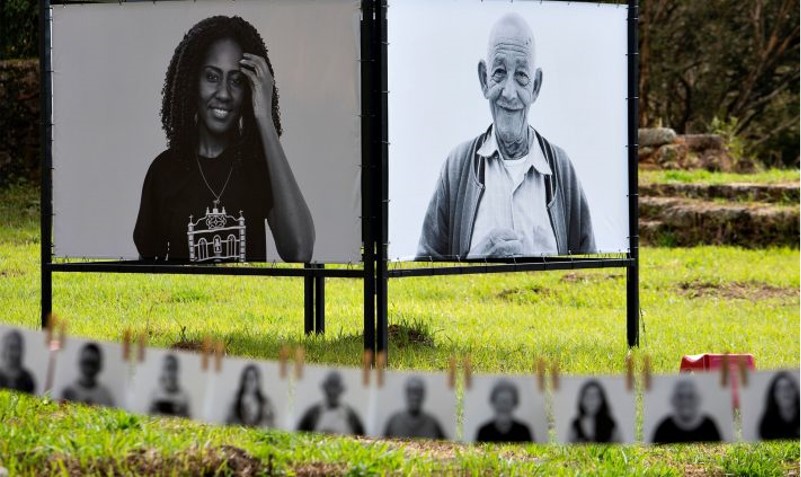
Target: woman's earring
{"type": "Point", "coordinates": [241, 126]}
{"type": "Point", "coordinates": [195, 119]}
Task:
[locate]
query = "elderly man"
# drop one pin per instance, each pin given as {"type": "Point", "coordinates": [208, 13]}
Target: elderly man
{"type": "Point", "coordinates": [687, 423]}
{"type": "Point", "coordinates": [331, 415]}
{"type": "Point", "coordinates": [508, 192]}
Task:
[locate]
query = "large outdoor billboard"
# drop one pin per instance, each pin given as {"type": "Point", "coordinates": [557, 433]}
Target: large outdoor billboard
{"type": "Point", "coordinates": [507, 129]}
{"type": "Point", "coordinates": [207, 131]}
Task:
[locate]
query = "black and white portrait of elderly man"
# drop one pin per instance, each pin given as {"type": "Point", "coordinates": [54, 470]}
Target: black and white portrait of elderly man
{"type": "Point", "coordinates": [508, 192]}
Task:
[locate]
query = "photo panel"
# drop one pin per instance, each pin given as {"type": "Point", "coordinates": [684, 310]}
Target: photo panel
{"type": "Point", "coordinates": [230, 131]}
{"type": "Point", "coordinates": [91, 372]}
{"type": "Point", "coordinates": [248, 393]}
{"type": "Point", "coordinates": [589, 409]}
{"type": "Point", "coordinates": [769, 405]}
{"type": "Point", "coordinates": [414, 406]}
{"type": "Point", "coordinates": [169, 383]}
{"type": "Point", "coordinates": [504, 408]}
{"type": "Point", "coordinates": [331, 400]}
{"type": "Point", "coordinates": [687, 408]}
{"type": "Point", "coordinates": [24, 360]}
{"type": "Point", "coordinates": [507, 151]}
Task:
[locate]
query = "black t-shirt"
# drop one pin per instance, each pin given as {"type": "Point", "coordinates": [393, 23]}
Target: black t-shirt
{"type": "Point", "coordinates": [519, 432]}
{"type": "Point", "coordinates": [668, 432]}
{"type": "Point", "coordinates": [174, 190]}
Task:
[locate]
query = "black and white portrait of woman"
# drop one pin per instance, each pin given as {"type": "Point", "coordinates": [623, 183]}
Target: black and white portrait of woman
{"type": "Point", "coordinates": [251, 407]}
{"type": "Point", "coordinates": [593, 421]}
{"type": "Point", "coordinates": [504, 409]}
{"type": "Point", "coordinates": [503, 427]}
{"type": "Point", "coordinates": [769, 404]}
{"type": "Point", "coordinates": [225, 172]}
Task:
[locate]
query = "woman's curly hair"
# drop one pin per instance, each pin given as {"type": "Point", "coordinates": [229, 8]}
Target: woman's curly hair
{"type": "Point", "coordinates": [180, 91]}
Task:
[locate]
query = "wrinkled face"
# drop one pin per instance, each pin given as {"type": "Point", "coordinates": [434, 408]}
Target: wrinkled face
{"type": "Point", "coordinates": [222, 88]}
{"type": "Point", "coordinates": [333, 389]}
{"type": "Point", "coordinates": [415, 394]}
{"type": "Point", "coordinates": [512, 80]}
{"type": "Point", "coordinates": [504, 402]}
{"type": "Point", "coordinates": [785, 394]}
{"type": "Point", "coordinates": [591, 400]}
{"type": "Point", "coordinates": [169, 376]}
{"type": "Point", "coordinates": [251, 380]}
{"type": "Point", "coordinates": [89, 363]}
{"type": "Point", "coordinates": [12, 351]}
{"type": "Point", "coordinates": [686, 401]}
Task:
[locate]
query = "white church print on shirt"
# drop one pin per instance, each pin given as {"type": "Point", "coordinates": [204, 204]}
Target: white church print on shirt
{"type": "Point", "coordinates": [216, 237]}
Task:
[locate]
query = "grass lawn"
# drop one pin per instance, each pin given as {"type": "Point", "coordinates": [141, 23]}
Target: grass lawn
{"type": "Point", "coordinates": [769, 176]}
{"type": "Point", "coordinates": [705, 299]}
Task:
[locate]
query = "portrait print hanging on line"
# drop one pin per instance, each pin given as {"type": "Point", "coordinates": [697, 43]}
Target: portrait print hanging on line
{"type": "Point", "coordinates": [331, 401]}
{"type": "Point", "coordinates": [594, 410]}
{"type": "Point", "coordinates": [169, 383]}
{"type": "Point", "coordinates": [687, 408]}
{"type": "Point", "coordinates": [414, 405]}
{"type": "Point", "coordinates": [769, 405]}
{"type": "Point", "coordinates": [92, 373]}
{"type": "Point", "coordinates": [504, 409]}
{"type": "Point", "coordinates": [24, 360]}
{"type": "Point", "coordinates": [248, 393]}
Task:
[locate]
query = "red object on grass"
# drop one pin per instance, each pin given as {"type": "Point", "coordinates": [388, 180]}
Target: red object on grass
{"type": "Point", "coordinates": [712, 362]}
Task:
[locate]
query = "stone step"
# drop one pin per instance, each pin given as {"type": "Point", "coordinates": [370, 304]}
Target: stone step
{"type": "Point", "coordinates": [769, 193]}
{"type": "Point", "coordinates": [687, 222]}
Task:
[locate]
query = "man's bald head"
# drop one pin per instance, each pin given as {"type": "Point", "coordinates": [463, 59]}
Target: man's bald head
{"type": "Point", "coordinates": [511, 31]}
{"type": "Point", "coordinates": [510, 81]}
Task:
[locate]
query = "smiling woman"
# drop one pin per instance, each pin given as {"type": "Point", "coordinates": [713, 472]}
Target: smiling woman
{"type": "Point", "coordinates": [224, 177]}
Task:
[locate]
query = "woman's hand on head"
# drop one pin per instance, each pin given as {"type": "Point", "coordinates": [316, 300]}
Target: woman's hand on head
{"type": "Point", "coordinates": [262, 84]}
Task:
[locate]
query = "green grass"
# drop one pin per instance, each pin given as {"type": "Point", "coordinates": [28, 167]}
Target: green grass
{"type": "Point", "coordinates": [770, 176]}
{"type": "Point", "coordinates": [705, 299]}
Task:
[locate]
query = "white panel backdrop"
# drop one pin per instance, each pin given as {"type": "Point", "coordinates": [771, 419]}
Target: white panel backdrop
{"type": "Point", "coordinates": [109, 64]}
{"type": "Point", "coordinates": [435, 101]}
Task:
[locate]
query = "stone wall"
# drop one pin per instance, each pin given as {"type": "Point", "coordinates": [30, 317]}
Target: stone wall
{"type": "Point", "coordinates": [19, 121]}
{"type": "Point", "coordinates": [662, 148]}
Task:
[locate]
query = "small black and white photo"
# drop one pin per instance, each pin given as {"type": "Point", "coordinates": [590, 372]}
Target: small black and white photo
{"type": "Point", "coordinates": [594, 410]}
{"type": "Point", "coordinates": [504, 409]}
{"type": "Point", "coordinates": [526, 154]}
{"type": "Point", "coordinates": [91, 372]}
{"type": "Point", "coordinates": [24, 360]}
{"type": "Point", "coordinates": [169, 383]}
{"type": "Point", "coordinates": [688, 408]}
{"type": "Point", "coordinates": [212, 137]}
{"type": "Point", "coordinates": [414, 406]}
{"type": "Point", "coordinates": [769, 405]}
{"type": "Point", "coordinates": [331, 401]}
{"type": "Point", "coordinates": [248, 393]}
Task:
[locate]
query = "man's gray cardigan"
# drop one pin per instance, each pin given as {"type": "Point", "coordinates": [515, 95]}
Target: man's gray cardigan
{"type": "Point", "coordinates": [448, 225]}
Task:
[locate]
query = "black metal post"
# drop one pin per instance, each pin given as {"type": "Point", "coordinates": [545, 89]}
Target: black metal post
{"type": "Point", "coordinates": [633, 270]}
{"type": "Point", "coordinates": [368, 68]}
{"type": "Point", "coordinates": [319, 302]}
{"type": "Point", "coordinates": [308, 302]}
{"type": "Point", "coordinates": [382, 277]}
{"type": "Point", "coordinates": [46, 128]}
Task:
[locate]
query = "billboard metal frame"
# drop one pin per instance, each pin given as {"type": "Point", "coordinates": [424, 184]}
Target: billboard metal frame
{"type": "Point", "coordinates": [374, 271]}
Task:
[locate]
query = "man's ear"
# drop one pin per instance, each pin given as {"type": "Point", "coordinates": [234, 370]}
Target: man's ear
{"type": "Point", "coordinates": [537, 84]}
{"type": "Point", "coordinates": [482, 76]}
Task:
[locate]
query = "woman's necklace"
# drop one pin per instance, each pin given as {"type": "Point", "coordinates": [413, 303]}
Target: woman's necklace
{"type": "Point", "coordinates": [202, 175]}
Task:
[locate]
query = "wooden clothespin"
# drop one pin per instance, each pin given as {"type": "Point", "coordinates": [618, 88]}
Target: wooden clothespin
{"type": "Point", "coordinates": [205, 351]}
{"type": "Point", "coordinates": [452, 373]}
{"type": "Point", "coordinates": [300, 358]}
{"type": "Point", "coordinates": [367, 366]}
{"type": "Point", "coordinates": [540, 370]}
{"type": "Point", "coordinates": [646, 372]}
{"type": "Point", "coordinates": [629, 373]}
{"type": "Point", "coordinates": [48, 332]}
{"type": "Point", "coordinates": [742, 365]}
{"type": "Point", "coordinates": [468, 372]}
{"type": "Point", "coordinates": [380, 365]}
{"type": "Point", "coordinates": [283, 357]}
{"type": "Point", "coordinates": [724, 370]}
{"type": "Point", "coordinates": [555, 376]}
{"type": "Point", "coordinates": [142, 346]}
{"type": "Point", "coordinates": [219, 351]}
{"type": "Point", "coordinates": [126, 344]}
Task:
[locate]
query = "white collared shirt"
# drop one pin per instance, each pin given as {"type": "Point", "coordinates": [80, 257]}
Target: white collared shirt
{"type": "Point", "coordinates": [514, 198]}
